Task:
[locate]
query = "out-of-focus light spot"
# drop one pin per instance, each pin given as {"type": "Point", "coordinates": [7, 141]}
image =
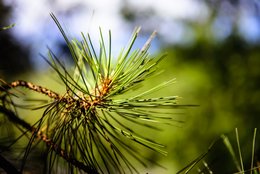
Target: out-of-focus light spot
{"type": "Point", "coordinates": [178, 9]}
{"type": "Point", "coordinates": [177, 33]}
{"type": "Point", "coordinates": [221, 28]}
{"type": "Point", "coordinates": [249, 28]}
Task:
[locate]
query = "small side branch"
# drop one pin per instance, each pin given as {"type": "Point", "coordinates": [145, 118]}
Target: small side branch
{"type": "Point", "coordinates": [31, 86]}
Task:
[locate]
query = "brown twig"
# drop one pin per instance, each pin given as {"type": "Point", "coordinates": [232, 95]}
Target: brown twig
{"type": "Point", "coordinates": [31, 86]}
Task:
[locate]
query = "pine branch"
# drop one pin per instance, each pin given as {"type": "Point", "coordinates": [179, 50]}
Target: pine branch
{"type": "Point", "coordinates": [92, 121]}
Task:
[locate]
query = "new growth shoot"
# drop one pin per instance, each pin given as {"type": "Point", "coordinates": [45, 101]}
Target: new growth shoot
{"type": "Point", "coordinates": [90, 127]}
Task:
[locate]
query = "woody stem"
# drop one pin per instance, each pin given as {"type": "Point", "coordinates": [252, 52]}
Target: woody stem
{"type": "Point", "coordinates": [43, 137]}
{"type": "Point", "coordinates": [31, 86]}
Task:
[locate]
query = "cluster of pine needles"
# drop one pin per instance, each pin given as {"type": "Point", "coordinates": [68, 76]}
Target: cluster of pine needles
{"type": "Point", "coordinates": [225, 155]}
{"type": "Point", "coordinates": [91, 127]}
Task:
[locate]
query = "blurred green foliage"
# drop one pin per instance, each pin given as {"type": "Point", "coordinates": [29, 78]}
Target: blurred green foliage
{"type": "Point", "coordinates": [221, 75]}
{"type": "Point", "coordinates": [223, 79]}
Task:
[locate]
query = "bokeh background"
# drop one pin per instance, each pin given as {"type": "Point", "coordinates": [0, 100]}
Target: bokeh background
{"type": "Point", "coordinates": [213, 49]}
